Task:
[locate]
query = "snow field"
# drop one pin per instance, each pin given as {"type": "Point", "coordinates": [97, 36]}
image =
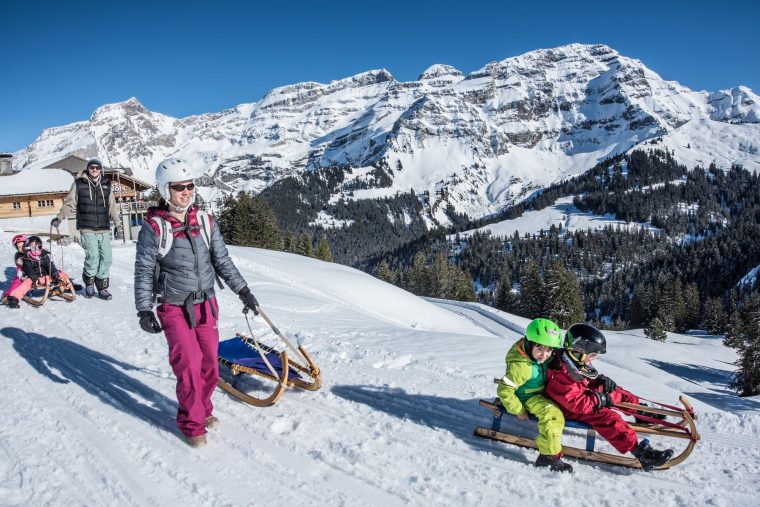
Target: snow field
{"type": "Point", "coordinates": [89, 404]}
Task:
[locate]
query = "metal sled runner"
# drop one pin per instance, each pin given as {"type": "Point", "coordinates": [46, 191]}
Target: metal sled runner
{"type": "Point", "coordinates": [679, 424]}
{"type": "Point", "coordinates": [244, 354]}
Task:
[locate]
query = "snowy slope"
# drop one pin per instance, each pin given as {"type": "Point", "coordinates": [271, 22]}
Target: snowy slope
{"type": "Point", "coordinates": [561, 214]}
{"type": "Point", "coordinates": [482, 141]}
{"type": "Point", "coordinates": [88, 405]}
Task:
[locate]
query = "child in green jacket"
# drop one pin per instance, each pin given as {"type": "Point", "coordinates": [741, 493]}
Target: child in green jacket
{"type": "Point", "coordinates": [522, 386]}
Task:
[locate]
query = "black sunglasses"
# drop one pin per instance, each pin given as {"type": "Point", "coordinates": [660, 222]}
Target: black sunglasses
{"type": "Point", "coordinates": [180, 188]}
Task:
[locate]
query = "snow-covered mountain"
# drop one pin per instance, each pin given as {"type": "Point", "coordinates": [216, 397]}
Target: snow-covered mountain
{"type": "Point", "coordinates": [480, 141]}
{"type": "Point", "coordinates": [89, 404]}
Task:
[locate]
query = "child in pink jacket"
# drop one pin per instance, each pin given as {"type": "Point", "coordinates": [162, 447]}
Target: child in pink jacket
{"type": "Point", "coordinates": [19, 240]}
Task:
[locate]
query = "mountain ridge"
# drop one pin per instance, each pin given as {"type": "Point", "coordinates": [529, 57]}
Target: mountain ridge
{"type": "Point", "coordinates": [479, 142]}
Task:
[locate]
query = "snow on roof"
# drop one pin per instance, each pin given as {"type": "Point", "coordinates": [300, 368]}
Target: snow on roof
{"type": "Point", "coordinates": [36, 181]}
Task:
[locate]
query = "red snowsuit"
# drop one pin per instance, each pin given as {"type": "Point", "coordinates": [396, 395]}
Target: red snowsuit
{"type": "Point", "coordinates": [578, 402]}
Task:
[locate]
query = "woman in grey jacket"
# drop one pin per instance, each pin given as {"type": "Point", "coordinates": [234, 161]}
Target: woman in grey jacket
{"type": "Point", "coordinates": [180, 253]}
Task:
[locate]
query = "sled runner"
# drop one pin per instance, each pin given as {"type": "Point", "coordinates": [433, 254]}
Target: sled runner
{"type": "Point", "coordinates": [683, 427]}
{"type": "Point", "coordinates": [244, 354]}
{"type": "Point", "coordinates": [50, 290]}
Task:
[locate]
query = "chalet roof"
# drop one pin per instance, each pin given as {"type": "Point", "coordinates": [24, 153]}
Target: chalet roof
{"type": "Point", "coordinates": [76, 164]}
{"type": "Point", "coordinates": [34, 181]}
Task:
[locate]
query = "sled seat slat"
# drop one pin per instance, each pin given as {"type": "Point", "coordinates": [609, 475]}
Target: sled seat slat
{"type": "Point", "coordinates": [236, 351]}
{"type": "Point", "coordinates": [499, 412]}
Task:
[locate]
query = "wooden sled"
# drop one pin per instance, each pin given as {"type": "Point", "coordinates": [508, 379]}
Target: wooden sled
{"type": "Point", "coordinates": [50, 290]}
{"type": "Point", "coordinates": [244, 354]}
{"type": "Point", "coordinates": [684, 429]}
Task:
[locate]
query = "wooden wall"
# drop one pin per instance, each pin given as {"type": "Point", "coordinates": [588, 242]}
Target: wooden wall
{"type": "Point", "coordinates": [30, 206]}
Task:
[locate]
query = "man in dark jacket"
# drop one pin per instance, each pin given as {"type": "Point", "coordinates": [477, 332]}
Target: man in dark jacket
{"type": "Point", "coordinates": [94, 203]}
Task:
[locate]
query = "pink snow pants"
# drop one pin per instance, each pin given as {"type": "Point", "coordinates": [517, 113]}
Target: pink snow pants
{"type": "Point", "coordinates": [610, 424]}
{"type": "Point", "coordinates": [193, 357]}
{"type": "Point", "coordinates": [19, 290]}
{"type": "Point", "coordinates": [13, 286]}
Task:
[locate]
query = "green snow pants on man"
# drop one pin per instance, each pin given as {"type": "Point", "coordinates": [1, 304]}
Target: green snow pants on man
{"type": "Point", "coordinates": [97, 253]}
{"type": "Point", "coordinates": [551, 422]}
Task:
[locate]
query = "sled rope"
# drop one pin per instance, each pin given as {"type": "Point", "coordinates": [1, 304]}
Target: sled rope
{"type": "Point", "coordinates": [257, 347]}
{"type": "Point", "coordinates": [58, 231]}
{"type": "Point", "coordinates": [279, 334]}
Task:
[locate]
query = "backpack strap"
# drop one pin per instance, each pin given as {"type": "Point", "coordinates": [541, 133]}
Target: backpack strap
{"type": "Point", "coordinates": [204, 218]}
{"type": "Point", "coordinates": [165, 236]}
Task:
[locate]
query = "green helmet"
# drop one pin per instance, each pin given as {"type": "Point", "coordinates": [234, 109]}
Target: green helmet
{"type": "Point", "coordinates": [544, 332]}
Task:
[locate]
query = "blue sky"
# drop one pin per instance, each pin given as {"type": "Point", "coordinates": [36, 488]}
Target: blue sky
{"type": "Point", "coordinates": [62, 60]}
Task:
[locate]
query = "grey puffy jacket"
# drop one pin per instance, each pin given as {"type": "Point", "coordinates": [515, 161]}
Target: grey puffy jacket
{"type": "Point", "coordinates": [179, 274]}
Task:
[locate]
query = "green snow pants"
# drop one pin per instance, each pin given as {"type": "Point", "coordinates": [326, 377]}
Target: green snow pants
{"type": "Point", "coordinates": [551, 422]}
{"type": "Point", "coordinates": [97, 253]}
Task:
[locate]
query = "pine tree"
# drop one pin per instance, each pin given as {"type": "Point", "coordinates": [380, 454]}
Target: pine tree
{"type": "Point", "coordinates": [745, 337]}
{"type": "Point", "coordinates": [384, 273]}
{"type": "Point", "coordinates": [226, 219]}
{"type": "Point", "coordinates": [505, 298]}
{"type": "Point", "coordinates": [289, 242]}
{"type": "Point", "coordinates": [712, 316]}
{"type": "Point", "coordinates": [532, 293]}
{"type": "Point", "coordinates": [563, 296]}
{"type": "Point", "coordinates": [439, 279]}
{"type": "Point", "coordinates": [304, 246]}
{"type": "Point", "coordinates": [323, 250]}
{"type": "Point", "coordinates": [692, 305]}
{"type": "Point", "coordinates": [656, 330]}
{"type": "Point", "coordinates": [418, 276]}
{"type": "Point", "coordinates": [461, 288]}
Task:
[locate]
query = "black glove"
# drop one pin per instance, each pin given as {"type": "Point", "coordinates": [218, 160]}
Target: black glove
{"type": "Point", "coordinates": [603, 400]}
{"type": "Point", "coordinates": [55, 222]}
{"type": "Point", "coordinates": [148, 322]}
{"type": "Point", "coordinates": [249, 300]}
{"type": "Point", "coordinates": [608, 385]}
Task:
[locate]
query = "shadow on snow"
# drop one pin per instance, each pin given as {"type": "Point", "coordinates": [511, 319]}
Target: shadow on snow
{"type": "Point", "coordinates": [713, 379]}
{"type": "Point", "coordinates": [64, 361]}
{"type": "Point", "coordinates": [458, 417]}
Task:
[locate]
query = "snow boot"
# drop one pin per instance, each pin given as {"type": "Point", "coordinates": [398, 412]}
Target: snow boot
{"type": "Point", "coordinates": [102, 285]}
{"type": "Point", "coordinates": [11, 302]}
{"type": "Point", "coordinates": [212, 422]}
{"type": "Point", "coordinates": [89, 284]}
{"type": "Point", "coordinates": [198, 441]}
{"type": "Point", "coordinates": [554, 463]}
{"type": "Point", "coordinates": [650, 458]}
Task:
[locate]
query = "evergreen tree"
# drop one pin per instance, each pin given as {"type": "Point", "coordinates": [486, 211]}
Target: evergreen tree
{"type": "Point", "coordinates": [304, 246]}
{"type": "Point", "coordinates": [418, 276]}
{"type": "Point", "coordinates": [563, 296]}
{"type": "Point", "coordinates": [461, 288]}
{"type": "Point", "coordinates": [289, 242]}
{"type": "Point", "coordinates": [323, 250]}
{"type": "Point", "coordinates": [263, 224]}
{"type": "Point", "coordinates": [384, 273]}
{"type": "Point", "coordinates": [712, 316]}
{"type": "Point", "coordinates": [656, 330]}
{"type": "Point", "coordinates": [505, 298]}
{"type": "Point", "coordinates": [439, 278]}
{"type": "Point", "coordinates": [532, 292]}
{"type": "Point", "coordinates": [744, 335]}
{"type": "Point", "coordinates": [692, 305]}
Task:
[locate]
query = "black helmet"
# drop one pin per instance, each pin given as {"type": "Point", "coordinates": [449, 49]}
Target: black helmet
{"type": "Point", "coordinates": [586, 339]}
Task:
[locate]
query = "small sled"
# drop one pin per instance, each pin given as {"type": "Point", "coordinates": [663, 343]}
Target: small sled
{"type": "Point", "coordinates": [682, 428]}
{"type": "Point", "coordinates": [244, 354]}
{"type": "Point", "coordinates": [50, 290]}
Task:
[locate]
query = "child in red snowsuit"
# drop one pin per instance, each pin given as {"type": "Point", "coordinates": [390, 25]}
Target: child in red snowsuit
{"type": "Point", "coordinates": [586, 396]}
{"type": "Point", "coordinates": [18, 259]}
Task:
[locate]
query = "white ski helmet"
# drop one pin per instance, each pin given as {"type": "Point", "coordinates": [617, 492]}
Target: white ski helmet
{"type": "Point", "coordinates": [170, 170]}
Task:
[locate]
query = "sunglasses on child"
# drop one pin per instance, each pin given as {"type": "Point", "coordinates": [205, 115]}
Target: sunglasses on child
{"type": "Point", "coordinates": [180, 188]}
